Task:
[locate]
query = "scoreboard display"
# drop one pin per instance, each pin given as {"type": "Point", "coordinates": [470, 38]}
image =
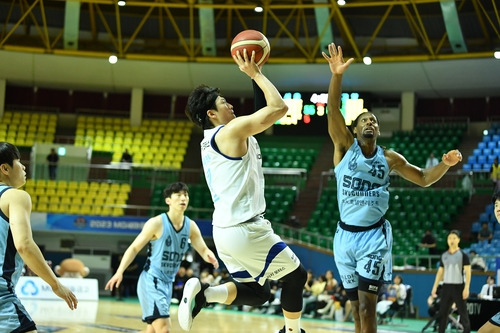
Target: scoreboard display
{"type": "Point", "coordinates": [303, 108]}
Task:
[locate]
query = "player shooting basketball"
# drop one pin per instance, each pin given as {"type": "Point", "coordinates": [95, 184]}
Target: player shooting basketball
{"type": "Point", "coordinates": [244, 239]}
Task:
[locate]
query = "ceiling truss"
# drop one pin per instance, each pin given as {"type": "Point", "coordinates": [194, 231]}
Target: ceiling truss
{"type": "Point", "coordinates": [388, 31]}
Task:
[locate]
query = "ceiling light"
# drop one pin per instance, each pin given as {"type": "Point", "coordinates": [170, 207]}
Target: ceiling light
{"type": "Point", "coordinates": [258, 9]}
{"type": "Point", "coordinates": [121, 3]}
{"type": "Point", "coordinates": [496, 54]}
{"type": "Point", "coordinates": [367, 60]}
{"type": "Point", "coordinates": [341, 2]}
{"type": "Point", "coordinates": [113, 59]}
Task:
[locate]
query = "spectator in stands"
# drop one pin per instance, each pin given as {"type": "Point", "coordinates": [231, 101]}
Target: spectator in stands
{"type": "Point", "coordinates": [310, 300]}
{"type": "Point", "coordinates": [493, 325]}
{"type": "Point", "coordinates": [477, 262]}
{"type": "Point", "coordinates": [428, 241]}
{"type": "Point", "coordinates": [455, 272]}
{"type": "Point", "coordinates": [395, 299]}
{"type": "Point", "coordinates": [485, 234]}
{"type": "Point", "coordinates": [244, 238]}
{"type": "Point", "coordinates": [17, 246]}
{"type": "Point", "coordinates": [126, 157]}
{"type": "Point", "coordinates": [495, 174]}
{"type": "Point", "coordinates": [53, 160]}
{"type": "Point", "coordinates": [487, 289]}
{"type": "Point", "coordinates": [363, 239]}
{"type": "Point", "coordinates": [179, 282]}
{"type": "Point", "coordinates": [431, 161]}
{"type": "Point", "coordinates": [167, 233]}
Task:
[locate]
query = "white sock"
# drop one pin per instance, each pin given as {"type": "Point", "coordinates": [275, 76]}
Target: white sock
{"type": "Point", "coordinates": [292, 325]}
{"type": "Point", "coordinates": [217, 294]}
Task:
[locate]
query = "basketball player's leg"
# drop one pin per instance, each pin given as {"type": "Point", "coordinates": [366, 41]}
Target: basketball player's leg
{"type": "Point", "coordinates": [161, 325]}
{"type": "Point", "coordinates": [155, 296]}
{"type": "Point", "coordinates": [17, 318]}
{"type": "Point", "coordinates": [492, 325]}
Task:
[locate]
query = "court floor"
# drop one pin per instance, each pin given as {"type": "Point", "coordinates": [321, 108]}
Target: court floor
{"type": "Point", "coordinates": [109, 315]}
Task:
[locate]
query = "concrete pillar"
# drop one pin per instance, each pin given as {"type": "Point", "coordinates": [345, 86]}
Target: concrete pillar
{"type": "Point", "coordinates": [136, 110]}
{"type": "Point", "coordinates": [408, 103]}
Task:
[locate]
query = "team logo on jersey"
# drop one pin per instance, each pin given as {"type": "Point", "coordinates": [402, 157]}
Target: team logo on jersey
{"type": "Point", "coordinates": [352, 163]}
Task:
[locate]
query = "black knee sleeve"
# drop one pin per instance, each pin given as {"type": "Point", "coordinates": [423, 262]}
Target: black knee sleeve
{"type": "Point", "coordinates": [291, 293]}
{"type": "Point", "coordinates": [252, 293]}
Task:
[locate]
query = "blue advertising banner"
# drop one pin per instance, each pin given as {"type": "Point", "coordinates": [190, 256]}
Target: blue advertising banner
{"type": "Point", "coordinates": [88, 223]}
{"type": "Point", "coordinates": [99, 224]}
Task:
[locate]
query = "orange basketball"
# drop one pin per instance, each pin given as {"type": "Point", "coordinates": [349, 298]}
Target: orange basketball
{"type": "Point", "coordinates": [252, 40]}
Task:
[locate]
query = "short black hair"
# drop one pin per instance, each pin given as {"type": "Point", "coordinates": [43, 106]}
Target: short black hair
{"type": "Point", "coordinates": [8, 153]}
{"type": "Point", "coordinates": [175, 188]}
{"type": "Point", "coordinates": [496, 196]}
{"type": "Point", "coordinates": [456, 232]}
{"type": "Point", "coordinates": [199, 102]}
{"type": "Point", "coordinates": [354, 123]}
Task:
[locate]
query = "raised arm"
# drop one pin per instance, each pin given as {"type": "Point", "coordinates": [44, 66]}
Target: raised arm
{"type": "Point", "coordinates": [265, 117]}
{"type": "Point", "coordinates": [342, 138]}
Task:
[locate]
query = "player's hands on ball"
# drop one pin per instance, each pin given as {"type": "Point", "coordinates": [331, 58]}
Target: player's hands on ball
{"type": "Point", "coordinates": [452, 157]}
{"type": "Point", "coordinates": [246, 63]}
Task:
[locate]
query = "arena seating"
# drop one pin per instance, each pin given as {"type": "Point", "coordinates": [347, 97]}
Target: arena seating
{"type": "Point", "coordinates": [439, 138]}
{"type": "Point", "coordinates": [72, 197]}
{"type": "Point", "coordinates": [25, 128]}
{"type": "Point", "coordinates": [155, 143]}
{"type": "Point", "coordinates": [487, 149]}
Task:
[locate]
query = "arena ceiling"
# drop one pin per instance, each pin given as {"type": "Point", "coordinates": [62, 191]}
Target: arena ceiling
{"type": "Point", "coordinates": [398, 31]}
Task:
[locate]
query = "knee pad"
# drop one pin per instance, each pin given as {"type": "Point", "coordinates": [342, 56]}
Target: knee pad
{"type": "Point", "coordinates": [293, 285]}
{"type": "Point", "coordinates": [297, 277]}
{"type": "Point", "coordinates": [252, 293]}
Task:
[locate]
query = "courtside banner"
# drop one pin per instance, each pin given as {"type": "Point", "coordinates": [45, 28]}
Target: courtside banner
{"type": "Point", "coordinates": [33, 287]}
{"type": "Point", "coordinates": [87, 223]}
{"type": "Point", "coordinates": [97, 224]}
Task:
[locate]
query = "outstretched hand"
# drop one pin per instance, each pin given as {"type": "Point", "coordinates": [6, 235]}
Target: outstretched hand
{"type": "Point", "coordinates": [114, 282]}
{"type": "Point", "coordinates": [336, 59]}
{"type": "Point", "coordinates": [247, 63]}
{"type": "Point", "coordinates": [67, 295]}
{"type": "Point", "coordinates": [452, 157]}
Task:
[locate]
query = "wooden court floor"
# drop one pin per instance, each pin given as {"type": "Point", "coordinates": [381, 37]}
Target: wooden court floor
{"type": "Point", "coordinates": [109, 315]}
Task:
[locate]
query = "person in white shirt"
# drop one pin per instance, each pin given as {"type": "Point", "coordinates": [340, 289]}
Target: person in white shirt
{"type": "Point", "coordinates": [487, 289]}
{"type": "Point", "coordinates": [431, 161]}
{"type": "Point", "coordinates": [493, 325]}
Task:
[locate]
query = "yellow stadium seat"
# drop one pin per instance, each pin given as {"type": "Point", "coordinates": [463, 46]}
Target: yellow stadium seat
{"type": "Point", "coordinates": [106, 211]}
{"type": "Point", "coordinates": [125, 187]}
{"type": "Point", "coordinates": [42, 207]}
{"type": "Point", "coordinates": [117, 211]}
{"type": "Point", "coordinates": [74, 209]}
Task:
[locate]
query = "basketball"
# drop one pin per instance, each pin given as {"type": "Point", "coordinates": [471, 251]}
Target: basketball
{"type": "Point", "coordinates": [252, 40]}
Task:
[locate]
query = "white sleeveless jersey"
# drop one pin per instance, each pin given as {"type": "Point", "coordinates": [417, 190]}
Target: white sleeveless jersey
{"type": "Point", "coordinates": [236, 184]}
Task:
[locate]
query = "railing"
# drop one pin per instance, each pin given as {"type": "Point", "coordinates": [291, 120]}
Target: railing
{"type": "Point", "coordinates": [148, 177]}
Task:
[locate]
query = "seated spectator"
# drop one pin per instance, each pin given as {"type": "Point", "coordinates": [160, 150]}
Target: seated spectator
{"type": "Point", "coordinates": [339, 301]}
{"type": "Point", "coordinates": [485, 234]}
{"type": "Point", "coordinates": [395, 299]}
{"type": "Point", "coordinates": [126, 157]}
{"type": "Point", "coordinates": [310, 299]}
{"type": "Point", "coordinates": [477, 262]}
{"type": "Point", "coordinates": [487, 289]}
